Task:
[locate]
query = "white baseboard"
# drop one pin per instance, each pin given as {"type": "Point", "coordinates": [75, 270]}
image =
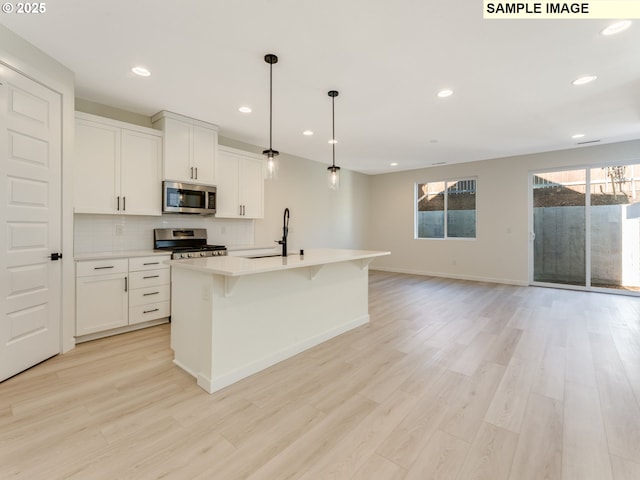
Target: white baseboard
{"type": "Point", "coordinates": [119, 330]}
{"type": "Point", "coordinates": [213, 385]}
{"type": "Point", "coordinates": [473, 278]}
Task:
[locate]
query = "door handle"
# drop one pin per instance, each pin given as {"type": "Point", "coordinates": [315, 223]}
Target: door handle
{"type": "Point", "coordinates": [126, 284]}
{"type": "Point", "coordinates": [55, 256]}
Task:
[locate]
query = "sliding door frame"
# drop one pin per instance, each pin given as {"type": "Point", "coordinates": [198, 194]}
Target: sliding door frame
{"type": "Point", "coordinates": [587, 212]}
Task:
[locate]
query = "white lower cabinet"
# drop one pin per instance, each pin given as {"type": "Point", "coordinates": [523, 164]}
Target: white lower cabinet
{"type": "Point", "coordinates": [112, 295]}
{"type": "Point", "coordinates": [102, 295]}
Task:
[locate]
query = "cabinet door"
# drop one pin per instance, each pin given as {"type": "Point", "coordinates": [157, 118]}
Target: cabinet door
{"type": "Point", "coordinates": [140, 183]}
{"type": "Point", "coordinates": [177, 150]}
{"type": "Point", "coordinates": [204, 143]}
{"type": "Point", "coordinates": [101, 303]}
{"type": "Point", "coordinates": [251, 188]}
{"type": "Point", "coordinates": [96, 167]}
{"type": "Point", "coordinates": [228, 179]}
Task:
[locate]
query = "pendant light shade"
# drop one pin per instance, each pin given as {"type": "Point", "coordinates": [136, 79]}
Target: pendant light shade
{"type": "Point", "coordinates": [271, 154]}
{"type": "Point", "coordinates": [333, 170]}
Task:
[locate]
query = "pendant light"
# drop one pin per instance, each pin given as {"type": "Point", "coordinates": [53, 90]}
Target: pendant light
{"type": "Point", "coordinates": [272, 165]}
{"type": "Point", "coordinates": [333, 170]}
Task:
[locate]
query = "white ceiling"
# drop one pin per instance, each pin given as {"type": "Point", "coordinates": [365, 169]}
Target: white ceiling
{"type": "Point", "coordinates": [511, 79]}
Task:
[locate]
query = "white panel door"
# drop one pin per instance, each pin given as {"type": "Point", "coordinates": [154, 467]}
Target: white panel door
{"type": "Point", "coordinates": [30, 215]}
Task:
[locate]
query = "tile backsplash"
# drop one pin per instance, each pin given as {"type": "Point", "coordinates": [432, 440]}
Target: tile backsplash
{"type": "Point", "coordinates": [120, 233]}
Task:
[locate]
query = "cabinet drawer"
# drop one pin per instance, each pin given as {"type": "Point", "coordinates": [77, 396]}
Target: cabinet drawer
{"type": "Point", "coordinates": [137, 264]}
{"type": "Point", "coordinates": [150, 278]}
{"type": "Point", "coordinates": [150, 311]}
{"type": "Point", "coordinates": [102, 267]}
{"type": "Point", "coordinates": [142, 296]}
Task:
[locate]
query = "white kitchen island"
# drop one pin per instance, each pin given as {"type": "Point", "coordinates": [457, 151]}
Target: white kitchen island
{"type": "Point", "coordinates": [232, 317]}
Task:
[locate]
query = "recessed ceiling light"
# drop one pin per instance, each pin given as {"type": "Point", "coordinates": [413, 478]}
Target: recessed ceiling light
{"type": "Point", "coordinates": [584, 80]}
{"type": "Point", "coordinates": [245, 109]}
{"type": "Point", "coordinates": [141, 71]}
{"type": "Point", "coordinates": [308, 133]}
{"type": "Point", "coordinates": [616, 27]}
{"type": "Point", "coordinates": [445, 93]}
{"type": "Point", "coordinates": [394, 164]}
{"type": "Point", "coordinates": [577, 135]}
{"type": "Point", "coordinates": [333, 140]}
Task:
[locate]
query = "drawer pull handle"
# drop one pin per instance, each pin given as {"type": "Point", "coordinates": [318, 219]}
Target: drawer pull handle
{"type": "Point", "coordinates": [152, 293]}
{"type": "Point", "coordinates": [152, 263]}
{"type": "Point", "coordinates": [151, 311]}
{"type": "Point", "coordinates": [151, 276]}
{"type": "Point", "coordinates": [102, 268]}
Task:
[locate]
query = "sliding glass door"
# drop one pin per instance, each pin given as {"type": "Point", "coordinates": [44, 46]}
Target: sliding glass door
{"type": "Point", "coordinates": [559, 226]}
{"type": "Point", "coordinates": [586, 228]}
{"type": "Point", "coordinates": [615, 227]}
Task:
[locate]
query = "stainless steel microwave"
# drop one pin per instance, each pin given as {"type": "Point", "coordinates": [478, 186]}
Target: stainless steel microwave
{"type": "Point", "coordinates": [179, 197]}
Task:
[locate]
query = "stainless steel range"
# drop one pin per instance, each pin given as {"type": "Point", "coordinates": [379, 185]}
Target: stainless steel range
{"type": "Point", "coordinates": [186, 243]}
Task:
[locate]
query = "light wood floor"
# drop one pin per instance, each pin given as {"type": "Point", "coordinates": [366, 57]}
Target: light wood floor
{"type": "Point", "coordinates": [450, 380]}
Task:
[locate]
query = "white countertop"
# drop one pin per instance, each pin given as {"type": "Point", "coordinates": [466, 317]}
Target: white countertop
{"type": "Point", "coordinates": [81, 257]}
{"type": "Point", "coordinates": [237, 266]}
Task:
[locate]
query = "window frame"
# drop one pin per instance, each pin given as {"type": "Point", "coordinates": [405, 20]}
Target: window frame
{"type": "Point", "coordinates": [447, 183]}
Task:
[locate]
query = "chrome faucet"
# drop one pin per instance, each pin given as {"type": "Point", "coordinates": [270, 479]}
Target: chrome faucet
{"type": "Point", "coordinates": [285, 232]}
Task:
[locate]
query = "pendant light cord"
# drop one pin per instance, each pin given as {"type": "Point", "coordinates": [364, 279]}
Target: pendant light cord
{"type": "Point", "coordinates": [333, 122]}
{"type": "Point", "coordinates": [270, 104]}
{"type": "Point", "coordinates": [333, 94]}
{"type": "Point", "coordinates": [270, 58]}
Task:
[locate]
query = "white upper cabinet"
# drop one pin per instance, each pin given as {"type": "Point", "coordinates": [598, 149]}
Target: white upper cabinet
{"type": "Point", "coordinates": [117, 167]}
{"type": "Point", "coordinates": [240, 178]}
{"type": "Point", "coordinates": [189, 148]}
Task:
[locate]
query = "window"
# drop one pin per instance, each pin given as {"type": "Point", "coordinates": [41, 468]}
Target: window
{"type": "Point", "coordinates": [446, 209]}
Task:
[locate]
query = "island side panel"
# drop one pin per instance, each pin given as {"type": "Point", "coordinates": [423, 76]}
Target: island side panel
{"type": "Point", "coordinates": [191, 338]}
{"type": "Point", "coordinates": [272, 316]}
{"type": "Point", "coordinates": [221, 338]}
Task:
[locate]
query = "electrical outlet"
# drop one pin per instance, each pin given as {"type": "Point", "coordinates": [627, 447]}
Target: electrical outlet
{"type": "Point", "coordinates": [119, 229]}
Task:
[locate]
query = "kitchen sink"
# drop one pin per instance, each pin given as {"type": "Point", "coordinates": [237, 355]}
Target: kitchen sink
{"type": "Point", "coordinates": [266, 255]}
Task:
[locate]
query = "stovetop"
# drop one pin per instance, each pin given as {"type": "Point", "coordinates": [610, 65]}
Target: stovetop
{"type": "Point", "coordinates": [186, 243]}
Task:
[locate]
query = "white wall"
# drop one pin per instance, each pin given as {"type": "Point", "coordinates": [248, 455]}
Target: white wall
{"type": "Point", "coordinates": [500, 251]}
{"type": "Point", "coordinates": [24, 57]}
